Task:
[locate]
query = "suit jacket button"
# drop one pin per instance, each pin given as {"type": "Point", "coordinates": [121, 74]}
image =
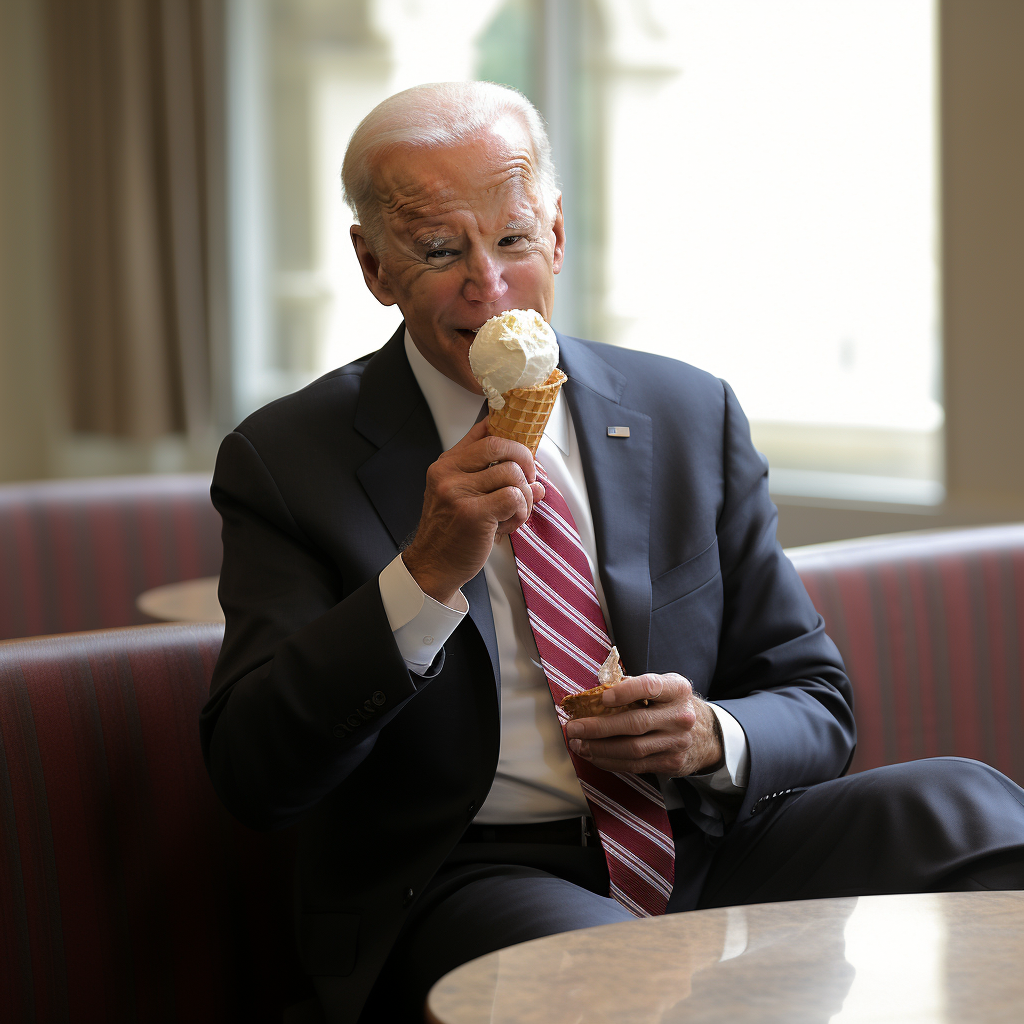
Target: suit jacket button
{"type": "Point", "coordinates": [340, 731]}
{"type": "Point", "coordinates": [378, 697]}
{"type": "Point", "coordinates": [407, 897]}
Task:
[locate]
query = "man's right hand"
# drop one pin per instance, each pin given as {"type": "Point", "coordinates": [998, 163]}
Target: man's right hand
{"type": "Point", "coordinates": [481, 489]}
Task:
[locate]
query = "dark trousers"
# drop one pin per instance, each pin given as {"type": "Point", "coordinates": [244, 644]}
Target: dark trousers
{"type": "Point", "coordinates": [942, 824]}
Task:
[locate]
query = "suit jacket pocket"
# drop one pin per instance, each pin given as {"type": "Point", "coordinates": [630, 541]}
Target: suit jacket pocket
{"type": "Point", "coordinates": [328, 943]}
{"type": "Point", "coordinates": [686, 577]}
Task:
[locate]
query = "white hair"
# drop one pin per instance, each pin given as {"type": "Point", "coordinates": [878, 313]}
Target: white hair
{"type": "Point", "coordinates": [437, 115]}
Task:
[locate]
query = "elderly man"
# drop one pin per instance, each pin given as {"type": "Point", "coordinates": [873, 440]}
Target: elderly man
{"type": "Point", "coordinates": [383, 683]}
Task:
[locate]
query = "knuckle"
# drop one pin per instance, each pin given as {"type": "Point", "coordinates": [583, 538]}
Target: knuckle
{"type": "Point", "coordinates": [645, 721]}
{"type": "Point", "coordinates": [679, 681]}
{"type": "Point", "coordinates": [667, 747]}
{"type": "Point", "coordinates": [653, 685]}
{"type": "Point", "coordinates": [510, 510]}
{"type": "Point", "coordinates": [683, 723]}
{"type": "Point", "coordinates": [516, 497]}
{"type": "Point", "coordinates": [513, 471]}
{"type": "Point", "coordinates": [656, 714]}
{"type": "Point", "coordinates": [444, 486]}
{"type": "Point", "coordinates": [646, 746]}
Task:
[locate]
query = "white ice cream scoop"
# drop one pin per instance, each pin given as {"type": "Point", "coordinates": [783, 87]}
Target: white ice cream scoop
{"type": "Point", "coordinates": [515, 349]}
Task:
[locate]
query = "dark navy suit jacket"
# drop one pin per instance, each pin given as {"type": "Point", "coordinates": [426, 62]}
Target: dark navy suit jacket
{"type": "Point", "coordinates": [314, 716]}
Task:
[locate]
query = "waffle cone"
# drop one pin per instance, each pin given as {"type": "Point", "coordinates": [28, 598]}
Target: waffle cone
{"type": "Point", "coordinates": [588, 703]}
{"type": "Point", "coordinates": [526, 412]}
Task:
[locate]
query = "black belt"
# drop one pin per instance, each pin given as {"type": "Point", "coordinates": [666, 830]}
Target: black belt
{"type": "Point", "coordinates": [565, 832]}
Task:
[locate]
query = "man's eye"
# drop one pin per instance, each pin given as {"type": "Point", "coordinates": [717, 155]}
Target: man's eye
{"type": "Point", "coordinates": [510, 239]}
{"type": "Point", "coordinates": [440, 253]}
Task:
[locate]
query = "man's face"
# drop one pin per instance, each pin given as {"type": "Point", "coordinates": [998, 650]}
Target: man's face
{"type": "Point", "coordinates": [466, 236]}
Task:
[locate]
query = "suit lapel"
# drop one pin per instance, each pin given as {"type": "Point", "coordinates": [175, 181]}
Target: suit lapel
{"type": "Point", "coordinates": [480, 612]}
{"type": "Point", "coordinates": [618, 472]}
{"type": "Point", "coordinates": [392, 414]}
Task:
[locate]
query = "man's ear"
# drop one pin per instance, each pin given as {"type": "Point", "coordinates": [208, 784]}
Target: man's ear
{"type": "Point", "coordinates": [373, 274]}
{"type": "Point", "coordinates": [559, 229]}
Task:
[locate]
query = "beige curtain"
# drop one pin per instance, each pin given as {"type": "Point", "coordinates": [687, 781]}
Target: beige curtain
{"type": "Point", "coordinates": [136, 97]}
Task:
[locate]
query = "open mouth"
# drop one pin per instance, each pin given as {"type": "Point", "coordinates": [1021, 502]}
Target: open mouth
{"type": "Point", "coordinates": [467, 335]}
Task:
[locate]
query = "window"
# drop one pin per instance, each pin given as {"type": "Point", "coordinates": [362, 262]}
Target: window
{"type": "Point", "coordinates": [748, 186]}
{"type": "Point", "coordinates": [794, 251]}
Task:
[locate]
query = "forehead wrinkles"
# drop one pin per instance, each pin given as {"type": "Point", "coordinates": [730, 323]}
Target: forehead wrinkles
{"type": "Point", "coordinates": [416, 196]}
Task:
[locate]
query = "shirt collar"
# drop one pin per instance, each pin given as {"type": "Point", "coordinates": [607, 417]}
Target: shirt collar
{"type": "Point", "coordinates": [455, 409]}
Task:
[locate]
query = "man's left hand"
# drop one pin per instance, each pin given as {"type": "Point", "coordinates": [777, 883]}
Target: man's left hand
{"type": "Point", "coordinates": [676, 734]}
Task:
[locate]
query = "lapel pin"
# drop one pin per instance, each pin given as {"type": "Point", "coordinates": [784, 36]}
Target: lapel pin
{"type": "Point", "coordinates": [618, 431]}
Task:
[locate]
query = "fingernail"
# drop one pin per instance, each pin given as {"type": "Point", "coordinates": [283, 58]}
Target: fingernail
{"type": "Point", "coordinates": [572, 729]}
{"type": "Point", "coordinates": [575, 746]}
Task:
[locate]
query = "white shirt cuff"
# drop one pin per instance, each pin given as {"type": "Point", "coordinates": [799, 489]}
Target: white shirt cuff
{"type": "Point", "coordinates": [421, 625]}
{"type": "Point", "coordinates": [731, 779]}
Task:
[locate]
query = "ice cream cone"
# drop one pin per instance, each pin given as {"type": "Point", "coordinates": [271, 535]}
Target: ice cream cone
{"type": "Point", "coordinates": [526, 412]}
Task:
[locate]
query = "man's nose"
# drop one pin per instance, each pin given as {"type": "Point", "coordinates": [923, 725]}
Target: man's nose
{"type": "Point", "coordinates": [484, 279]}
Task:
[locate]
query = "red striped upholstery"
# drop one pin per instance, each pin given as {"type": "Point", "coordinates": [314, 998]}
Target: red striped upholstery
{"type": "Point", "coordinates": [931, 626]}
{"type": "Point", "coordinates": [126, 892]}
{"type": "Point", "coordinates": [75, 554]}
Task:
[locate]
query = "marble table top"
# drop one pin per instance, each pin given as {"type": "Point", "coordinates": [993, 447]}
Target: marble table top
{"type": "Point", "coordinates": [948, 957]}
{"type": "Point", "coordinates": [189, 601]}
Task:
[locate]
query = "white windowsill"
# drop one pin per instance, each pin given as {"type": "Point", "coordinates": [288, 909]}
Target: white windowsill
{"type": "Point", "coordinates": [856, 488]}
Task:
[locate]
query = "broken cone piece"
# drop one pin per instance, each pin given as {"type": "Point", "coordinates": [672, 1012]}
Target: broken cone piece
{"type": "Point", "coordinates": [588, 703]}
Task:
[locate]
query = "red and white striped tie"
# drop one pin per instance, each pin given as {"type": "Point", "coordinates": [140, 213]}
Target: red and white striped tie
{"type": "Point", "coordinates": [569, 628]}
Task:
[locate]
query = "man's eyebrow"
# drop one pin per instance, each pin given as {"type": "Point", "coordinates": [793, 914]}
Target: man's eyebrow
{"type": "Point", "coordinates": [520, 225]}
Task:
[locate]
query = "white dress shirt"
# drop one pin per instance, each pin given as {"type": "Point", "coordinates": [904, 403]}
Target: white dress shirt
{"type": "Point", "coordinates": [535, 780]}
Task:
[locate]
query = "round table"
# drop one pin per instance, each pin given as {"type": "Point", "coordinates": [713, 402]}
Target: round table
{"type": "Point", "coordinates": [948, 957]}
{"type": "Point", "coordinates": [189, 601]}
